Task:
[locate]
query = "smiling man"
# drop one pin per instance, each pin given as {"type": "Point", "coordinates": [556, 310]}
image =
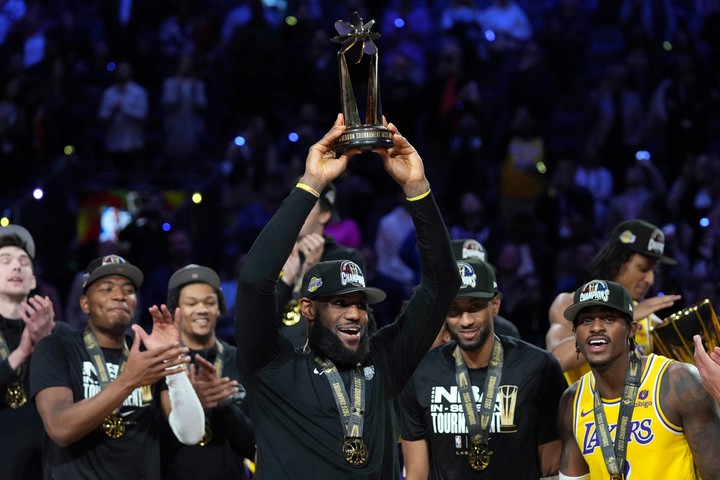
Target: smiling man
{"type": "Point", "coordinates": [330, 410]}
{"type": "Point", "coordinates": [513, 385]}
{"type": "Point", "coordinates": [100, 396]}
{"type": "Point", "coordinates": [670, 426]}
{"type": "Point", "coordinates": [25, 319]}
{"type": "Point", "coordinates": [228, 439]}
{"type": "Point", "coordinates": [634, 251]}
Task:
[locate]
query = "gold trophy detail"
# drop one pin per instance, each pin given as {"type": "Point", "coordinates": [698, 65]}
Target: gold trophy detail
{"type": "Point", "coordinates": [356, 35]}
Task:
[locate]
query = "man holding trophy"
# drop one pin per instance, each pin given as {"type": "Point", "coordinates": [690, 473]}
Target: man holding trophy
{"type": "Point", "coordinates": [329, 410]}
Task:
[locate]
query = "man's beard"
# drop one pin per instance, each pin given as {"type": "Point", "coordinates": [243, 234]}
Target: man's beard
{"type": "Point", "coordinates": [326, 342]}
{"type": "Point", "coordinates": [483, 335]}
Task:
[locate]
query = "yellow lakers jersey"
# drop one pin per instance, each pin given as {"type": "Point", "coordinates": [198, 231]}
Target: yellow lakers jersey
{"type": "Point", "coordinates": [656, 449]}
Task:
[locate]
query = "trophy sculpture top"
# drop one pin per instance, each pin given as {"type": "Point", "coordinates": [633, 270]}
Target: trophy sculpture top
{"type": "Point", "coordinates": [354, 31]}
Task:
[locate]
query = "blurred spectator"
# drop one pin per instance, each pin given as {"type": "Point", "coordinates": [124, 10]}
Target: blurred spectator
{"type": "Point", "coordinates": [681, 107]}
{"type": "Point", "coordinates": [566, 210]}
{"type": "Point", "coordinates": [508, 24]}
{"type": "Point", "coordinates": [522, 173]}
{"type": "Point", "coordinates": [693, 195]}
{"type": "Point", "coordinates": [392, 229]}
{"type": "Point", "coordinates": [598, 180]}
{"type": "Point", "coordinates": [617, 117]}
{"type": "Point", "coordinates": [184, 101]}
{"type": "Point", "coordinates": [123, 111]}
{"type": "Point", "coordinates": [642, 195]}
{"type": "Point", "coordinates": [566, 33]}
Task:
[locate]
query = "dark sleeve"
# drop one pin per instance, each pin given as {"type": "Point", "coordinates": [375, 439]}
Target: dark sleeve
{"type": "Point", "coordinates": [49, 366]}
{"type": "Point", "coordinates": [412, 420]}
{"type": "Point", "coordinates": [256, 312]}
{"type": "Point", "coordinates": [404, 343]}
{"type": "Point", "coordinates": [6, 373]}
{"type": "Point", "coordinates": [553, 384]}
{"type": "Point", "coordinates": [233, 416]}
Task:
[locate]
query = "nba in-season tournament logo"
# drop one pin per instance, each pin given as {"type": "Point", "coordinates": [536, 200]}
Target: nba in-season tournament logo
{"type": "Point", "coordinates": [446, 410]}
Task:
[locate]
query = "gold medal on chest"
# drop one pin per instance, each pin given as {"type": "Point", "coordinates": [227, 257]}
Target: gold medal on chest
{"type": "Point", "coordinates": [15, 395]}
{"type": "Point", "coordinates": [355, 451]}
{"type": "Point", "coordinates": [479, 457]}
{"type": "Point", "coordinates": [113, 426]}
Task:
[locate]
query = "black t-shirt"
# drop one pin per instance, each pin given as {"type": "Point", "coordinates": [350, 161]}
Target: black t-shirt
{"type": "Point", "coordinates": [63, 361]}
{"type": "Point", "coordinates": [297, 424]}
{"type": "Point", "coordinates": [524, 417]}
{"type": "Point", "coordinates": [231, 436]}
{"type": "Point", "coordinates": [21, 430]}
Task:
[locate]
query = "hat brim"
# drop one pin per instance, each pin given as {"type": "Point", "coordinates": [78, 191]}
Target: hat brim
{"type": "Point", "coordinates": [572, 311]}
{"type": "Point", "coordinates": [123, 269]}
{"type": "Point", "coordinates": [24, 235]}
{"type": "Point", "coordinates": [660, 258]}
{"type": "Point", "coordinates": [195, 274]}
{"type": "Point", "coordinates": [372, 294]}
{"type": "Point", "coordinates": [476, 294]}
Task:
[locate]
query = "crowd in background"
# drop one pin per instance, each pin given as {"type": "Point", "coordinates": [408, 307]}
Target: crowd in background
{"type": "Point", "coordinates": [542, 125]}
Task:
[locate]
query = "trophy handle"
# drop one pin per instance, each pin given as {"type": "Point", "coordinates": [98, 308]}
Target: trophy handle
{"type": "Point", "coordinates": [349, 107]}
{"type": "Point", "coordinates": [373, 114]}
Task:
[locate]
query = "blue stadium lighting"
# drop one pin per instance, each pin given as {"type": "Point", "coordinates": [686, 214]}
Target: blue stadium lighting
{"type": "Point", "coordinates": [293, 137]}
{"type": "Point", "coordinates": [642, 155]}
{"type": "Point", "coordinates": [110, 66]}
{"type": "Point", "coordinates": [704, 222]}
{"type": "Point", "coordinates": [38, 193]}
{"type": "Point", "coordinates": [399, 22]}
{"type": "Point", "coordinates": [489, 35]}
{"type": "Point", "coordinates": [240, 141]}
{"type": "Point", "coordinates": [166, 227]}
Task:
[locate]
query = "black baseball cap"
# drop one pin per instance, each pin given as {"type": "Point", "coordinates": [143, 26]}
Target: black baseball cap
{"type": "Point", "coordinates": [194, 274]}
{"type": "Point", "coordinates": [111, 265]}
{"type": "Point", "coordinates": [642, 237]}
{"type": "Point", "coordinates": [477, 279]}
{"type": "Point", "coordinates": [602, 293]}
{"type": "Point", "coordinates": [469, 248]}
{"type": "Point", "coordinates": [23, 234]}
{"type": "Point", "coordinates": [338, 277]}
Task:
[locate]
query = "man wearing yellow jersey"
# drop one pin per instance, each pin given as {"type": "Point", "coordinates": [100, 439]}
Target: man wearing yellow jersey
{"type": "Point", "coordinates": [630, 258]}
{"type": "Point", "coordinates": [632, 417]}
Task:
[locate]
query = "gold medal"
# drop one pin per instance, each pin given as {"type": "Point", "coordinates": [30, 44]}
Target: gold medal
{"type": "Point", "coordinates": [113, 426]}
{"type": "Point", "coordinates": [479, 457]}
{"type": "Point", "coordinates": [15, 395]}
{"type": "Point", "coordinates": [207, 436]}
{"type": "Point", "coordinates": [355, 451]}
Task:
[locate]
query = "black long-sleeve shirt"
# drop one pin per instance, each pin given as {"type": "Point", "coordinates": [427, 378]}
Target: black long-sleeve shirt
{"type": "Point", "coordinates": [297, 425]}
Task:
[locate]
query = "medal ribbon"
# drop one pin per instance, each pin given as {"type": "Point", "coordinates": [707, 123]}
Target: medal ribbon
{"type": "Point", "coordinates": [98, 359]}
{"type": "Point", "coordinates": [479, 430]}
{"type": "Point", "coordinates": [351, 417]}
{"type": "Point", "coordinates": [15, 385]}
{"type": "Point", "coordinates": [614, 454]}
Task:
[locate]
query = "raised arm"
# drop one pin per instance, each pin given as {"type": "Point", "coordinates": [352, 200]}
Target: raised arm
{"type": "Point", "coordinates": [684, 400]}
{"type": "Point", "coordinates": [560, 339]}
{"type": "Point", "coordinates": [409, 339]}
{"type": "Point", "coordinates": [256, 313]}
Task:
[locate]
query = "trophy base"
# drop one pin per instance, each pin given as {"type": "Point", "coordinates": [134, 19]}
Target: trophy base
{"type": "Point", "coordinates": [364, 137]}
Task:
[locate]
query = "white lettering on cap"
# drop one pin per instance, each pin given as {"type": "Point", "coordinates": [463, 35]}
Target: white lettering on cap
{"type": "Point", "coordinates": [350, 273]}
{"type": "Point", "coordinates": [595, 291]}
